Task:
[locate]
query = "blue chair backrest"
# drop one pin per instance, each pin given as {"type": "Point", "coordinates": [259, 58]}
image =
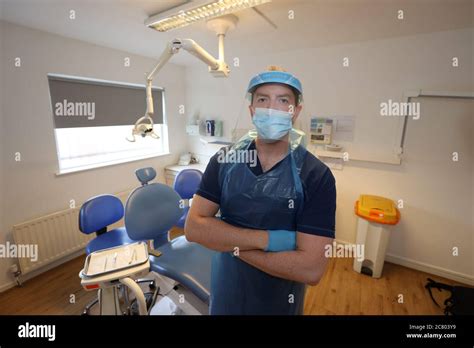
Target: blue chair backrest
{"type": "Point", "coordinates": [187, 182]}
{"type": "Point", "coordinates": [152, 209]}
{"type": "Point", "coordinates": [99, 212]}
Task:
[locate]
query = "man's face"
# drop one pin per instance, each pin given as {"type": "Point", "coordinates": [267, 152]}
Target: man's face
{"type": "Point", "coordinates": [275, 96]}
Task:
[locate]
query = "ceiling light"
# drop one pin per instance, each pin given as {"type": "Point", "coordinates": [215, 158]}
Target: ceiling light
{"type": "Point", "coordinates": [197, 10]}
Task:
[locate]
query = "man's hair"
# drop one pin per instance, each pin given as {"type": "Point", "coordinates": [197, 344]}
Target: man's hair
{"type": "Point", "coordinates": [278, 68]}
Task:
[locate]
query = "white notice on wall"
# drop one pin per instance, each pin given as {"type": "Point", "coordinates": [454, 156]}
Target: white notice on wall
{"type": "Point", "coordinates": [343, 128]}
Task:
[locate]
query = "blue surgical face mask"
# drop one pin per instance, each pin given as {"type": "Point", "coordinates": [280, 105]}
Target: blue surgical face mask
{"type": "Point", "coordinates": [272, 125]}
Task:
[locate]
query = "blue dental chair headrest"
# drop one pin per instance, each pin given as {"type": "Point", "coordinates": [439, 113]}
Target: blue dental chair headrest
{"type": "Point", "coordinates": [187, 183]}
{"type": "Point", "coordinates": [99, 212]}
{"type": "Point", "coordinates": [151, 209]}
{"type": "Point", "coordinates": [145, 175]}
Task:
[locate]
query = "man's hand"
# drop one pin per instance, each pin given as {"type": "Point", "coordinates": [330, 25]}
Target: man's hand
{"type": "Point", "coordinates": [281, 240]}
{"type": "Point", "coordinates": [306, 264]}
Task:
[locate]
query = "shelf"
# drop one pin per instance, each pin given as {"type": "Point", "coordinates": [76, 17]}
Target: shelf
{"type": "Point", "coordinates": [331, 154]}
{"type": "Point", "coordinates": [220, 142]}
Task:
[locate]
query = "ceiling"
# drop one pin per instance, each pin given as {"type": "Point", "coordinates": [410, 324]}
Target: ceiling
{"type": "Point", "coordinates": [119, 23]}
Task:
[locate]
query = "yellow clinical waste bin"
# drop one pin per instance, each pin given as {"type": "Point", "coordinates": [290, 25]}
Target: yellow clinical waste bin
{"type": "Point", "coordinates": [376, 215]}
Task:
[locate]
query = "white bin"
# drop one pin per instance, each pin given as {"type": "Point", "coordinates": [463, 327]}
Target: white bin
{"type": "Point", "coordinates": [375, 239]}
{"type": "Point", "coordinates": [376, 216]}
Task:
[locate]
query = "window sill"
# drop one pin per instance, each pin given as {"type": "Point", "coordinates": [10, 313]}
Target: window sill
{"type": "Point", "coordinates": [112, 163]}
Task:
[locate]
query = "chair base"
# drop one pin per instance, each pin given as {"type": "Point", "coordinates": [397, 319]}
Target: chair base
{"type": "Point", "coordinates": [150, 298]}
{"type": "Point", "coordinates": [131, 308]}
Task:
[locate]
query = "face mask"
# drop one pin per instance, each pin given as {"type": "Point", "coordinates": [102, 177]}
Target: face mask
{"type": "Point", "coordinates": [271, 124]}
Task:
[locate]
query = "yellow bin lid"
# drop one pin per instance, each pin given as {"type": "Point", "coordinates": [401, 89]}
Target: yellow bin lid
{"type": "Point", "coordinates": [377, 209]}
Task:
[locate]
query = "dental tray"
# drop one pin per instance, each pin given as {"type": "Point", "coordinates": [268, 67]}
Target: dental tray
{"type": "Point", "coordinates": [115, 259]}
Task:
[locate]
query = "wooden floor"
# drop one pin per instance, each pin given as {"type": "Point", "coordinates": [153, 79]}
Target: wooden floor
{"type": "Point", "coordinates": [341, 291]}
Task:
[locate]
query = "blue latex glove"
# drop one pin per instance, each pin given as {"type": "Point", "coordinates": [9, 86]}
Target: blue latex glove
{"type": "Point", "coordinates": [281, 240]}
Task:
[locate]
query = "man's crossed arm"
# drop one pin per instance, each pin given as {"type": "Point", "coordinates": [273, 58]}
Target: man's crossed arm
{"type": "Point", "coordinates": [306, 264]}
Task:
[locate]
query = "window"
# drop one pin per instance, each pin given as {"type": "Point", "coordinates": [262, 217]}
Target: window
{"type": "Point", "coordinates": [93, 118]}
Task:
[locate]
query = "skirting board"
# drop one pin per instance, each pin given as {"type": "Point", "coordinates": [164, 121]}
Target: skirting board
{"type": "Point", "coordinates": [425, 267]}
{"type": "Point", "coordinates": [7, 286]}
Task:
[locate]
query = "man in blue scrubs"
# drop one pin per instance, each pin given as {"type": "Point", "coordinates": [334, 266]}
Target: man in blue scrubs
{"type": "Point", "coordinates": [277, 214]}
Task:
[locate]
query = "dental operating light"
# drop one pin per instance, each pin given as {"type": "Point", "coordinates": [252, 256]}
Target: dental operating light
{"type": "Point", "coordinates": [198, 10]}
{"type": "Point", "coordinates": [217, 67]}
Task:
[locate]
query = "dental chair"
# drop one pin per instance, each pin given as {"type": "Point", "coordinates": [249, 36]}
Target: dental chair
{"type": "Point", "coordinates": [150, 212]}
{"type": "Point", "coordinates": [95, 215]}
{"type": "Point", "coordinates": [186, 184]}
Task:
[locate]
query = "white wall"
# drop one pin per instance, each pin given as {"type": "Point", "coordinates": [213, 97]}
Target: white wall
{"type": "Point", "coordinates": [2, 133]}
{"type": "Point", "coordinates": [379, 70]}
{"type": "Point", "coordinates": [32, 188]}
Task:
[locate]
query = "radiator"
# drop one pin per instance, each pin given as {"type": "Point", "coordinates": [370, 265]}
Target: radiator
{"type": "Point", "coordinates": [57, 236]}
